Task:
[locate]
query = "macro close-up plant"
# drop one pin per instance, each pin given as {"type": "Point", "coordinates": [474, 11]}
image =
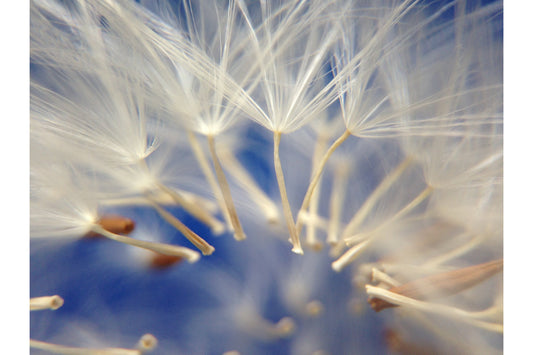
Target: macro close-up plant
{"type": "Point", "coordinates": [266, 177]}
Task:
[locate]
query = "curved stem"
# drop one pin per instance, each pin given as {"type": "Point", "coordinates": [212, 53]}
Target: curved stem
{"type": "Point", "coordinates": [316, 177]}
{"type": "Point", "coordinates": [311, 240]}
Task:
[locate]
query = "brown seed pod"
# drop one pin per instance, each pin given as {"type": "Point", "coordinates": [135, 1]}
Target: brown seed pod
{"type": "Point", "coordinates": [161, 261]}
{"type": "Point", "coordinates": [115, 224]}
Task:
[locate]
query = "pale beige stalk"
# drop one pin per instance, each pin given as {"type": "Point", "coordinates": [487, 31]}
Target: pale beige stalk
{"type": "Point", "coordinates": [46, 302]}
{"type": "Point", "coordinates": [294, 238]}
{"type": "Point", "coordinates": [226, 192]}
{"type": "Point", "coordinates": [186, 253]}
{"type": "Point", "coordinates": [194, 238]}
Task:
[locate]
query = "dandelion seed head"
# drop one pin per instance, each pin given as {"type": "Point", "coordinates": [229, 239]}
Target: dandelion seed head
{"type": "Point", "coordinates": [365, 135]}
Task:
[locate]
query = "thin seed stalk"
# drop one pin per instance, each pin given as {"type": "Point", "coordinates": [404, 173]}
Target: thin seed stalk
{"type": "Point", "coordinates": [442, 310]}
{"type": "Point", "coordinates": [204, 216]}
{"type": "Point", "coordinates": [259, 197]}
{"type": "Point", "coordinates": [316, 177]}
{"type": "Point", "coordinates": [194, 238]}
{"type": "Point", "coordinates": [471, 244]}
{"type": "Point", "coordinates": [336, 202]}
{"type": "Point", "coordinates": [404, 211]}
{"type": "Point", "coordinates": [442, 284]}
{"type": "Point", "coordinates": [294, 239]}
{"type": "Point", "coordinates": [371, 200]}
{"type": "Point", "coordinates": [208, 173]}
{"type": "Point", "coordinates": [380, 276]}
{"type": "Point", "coordinates": [194, 209]}
{"type": "Point", "coordinates": [69, 350]}
{"type": "Point", "coordinates": [349, 256]}
{"type": "Point", "coordinates": [311, 239]}
{"type": "Point", "coordinates": [363, 241]}
{"type": "Point", "coordinates": [164, 199]}
{"type": "Point", "coordinates": [186, 253]}
{"type": "Point", "coordinates": [226, 192]}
